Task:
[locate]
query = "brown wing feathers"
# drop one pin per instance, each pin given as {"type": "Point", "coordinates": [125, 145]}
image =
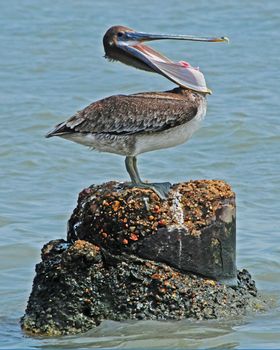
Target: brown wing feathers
{"type": "Point", "coordinates": [121, 114]}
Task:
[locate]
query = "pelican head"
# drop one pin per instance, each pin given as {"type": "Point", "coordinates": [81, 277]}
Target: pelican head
{"type": "Point", "coordinates": [126, 45]}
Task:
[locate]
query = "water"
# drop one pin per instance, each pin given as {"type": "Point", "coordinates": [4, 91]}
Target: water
{"type": "Point", "coordinates": [51, 65]}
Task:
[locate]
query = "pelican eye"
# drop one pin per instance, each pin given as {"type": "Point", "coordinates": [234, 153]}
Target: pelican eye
{"type": "Point", "coordinates": [120, 34]}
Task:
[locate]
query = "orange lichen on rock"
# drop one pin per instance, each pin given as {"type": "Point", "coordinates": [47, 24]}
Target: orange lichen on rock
{"type": "Point", "coordinates": [158, 276]}
{"type": "Point", "coordinates": [116, 205]}
{"type": "Point", "coordinates": [115, 212]}
{"type": "Point", "coordinates": [87, 249]}
{"type": "Point", "coordinates": [125, 214]}
{"type": "Point", "coordinates": [200, 201]}
{"type": "Point", "coordinates": [81, 244]}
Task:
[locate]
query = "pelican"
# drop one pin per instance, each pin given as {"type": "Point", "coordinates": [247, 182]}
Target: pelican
{"type": "Point", "coordinates": [129, 125]}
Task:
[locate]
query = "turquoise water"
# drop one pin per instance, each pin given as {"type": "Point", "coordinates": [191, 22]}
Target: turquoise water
{"type": "Point", "coordinates": [51, 65]}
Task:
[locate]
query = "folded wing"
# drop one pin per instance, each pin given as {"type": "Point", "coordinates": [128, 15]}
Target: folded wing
{"type": "Point", "coordinates": [123, 115]}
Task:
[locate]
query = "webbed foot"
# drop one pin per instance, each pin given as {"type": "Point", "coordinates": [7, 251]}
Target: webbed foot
{"type": "Point", "coordinates": [160, 188]}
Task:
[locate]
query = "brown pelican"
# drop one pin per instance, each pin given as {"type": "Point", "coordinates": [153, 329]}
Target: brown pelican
{"type": "Point", "coordinates": [133, 124]}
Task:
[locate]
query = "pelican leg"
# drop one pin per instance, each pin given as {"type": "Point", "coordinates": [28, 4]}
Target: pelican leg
{"type": "Point", "coordinates": [131, 167]}
{"type": "Point", "coordinates": [161, 189]}
{"type": "Point", "coordinates": [136, 169]}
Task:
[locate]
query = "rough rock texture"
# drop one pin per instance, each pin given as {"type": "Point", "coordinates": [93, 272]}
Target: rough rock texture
{"type": "Point", "coordinates": [130, 255]}
{"type": "Point", "coordinates": [193, 230]}
{"type": "Point", "coordinates": [78, 285]}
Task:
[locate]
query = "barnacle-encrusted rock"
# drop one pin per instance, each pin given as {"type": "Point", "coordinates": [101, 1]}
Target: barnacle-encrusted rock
{"type": "Point", "coordinates": [193, 230]}
{"type": "Point", "coordinates": [130, 255]}
{"type": "Point", "coordinates": [78, 285]}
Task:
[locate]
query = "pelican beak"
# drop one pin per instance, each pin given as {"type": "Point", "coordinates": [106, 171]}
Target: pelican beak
{"type": "Point", "coordinates": [145, 57]}
{"type": "Point", "coordinates": [141, 37]}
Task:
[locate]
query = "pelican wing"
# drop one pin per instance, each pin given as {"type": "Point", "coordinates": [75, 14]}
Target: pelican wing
{"type": "Point", "coordinates": [124, 115]}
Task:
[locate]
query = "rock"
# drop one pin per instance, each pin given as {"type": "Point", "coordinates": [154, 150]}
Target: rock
{"type": "Point", "coordinates": [130, 255]}
{"type": "Point", "coordinates": [78, 285]}
{"type": "Point", "coordinates": [193, 230]}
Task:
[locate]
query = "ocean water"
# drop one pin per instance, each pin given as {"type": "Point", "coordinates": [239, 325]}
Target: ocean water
{"type": "Point", "coordinates": [51, 64]}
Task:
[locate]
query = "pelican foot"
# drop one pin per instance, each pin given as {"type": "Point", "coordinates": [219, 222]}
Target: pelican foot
{"type": "Point", "coordinates": [160, 188]}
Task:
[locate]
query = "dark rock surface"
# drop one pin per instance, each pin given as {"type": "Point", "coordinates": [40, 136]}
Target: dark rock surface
{"type": "Point", "coordinates": [121, 261]}
{"type": "Point", "coordinates": [78, 285]}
